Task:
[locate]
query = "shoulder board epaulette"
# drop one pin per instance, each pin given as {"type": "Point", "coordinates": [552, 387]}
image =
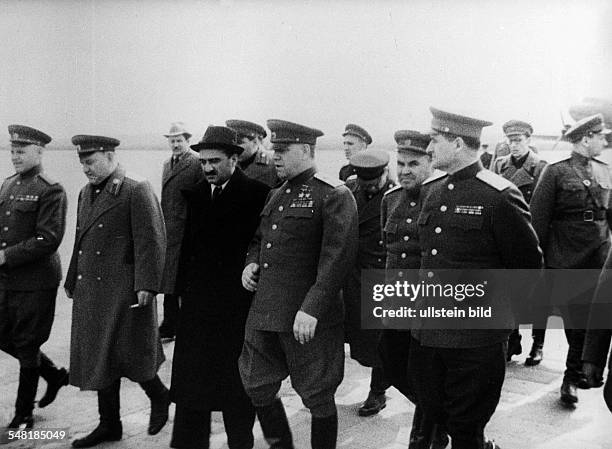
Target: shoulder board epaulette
{"type": "Point", "coordinates": [565, 158]}
{"type": "Point", "coordinates": [393, 189]}
{"type": "Point", "coordinates": [135, 177]}
{"type": "Point", "coordinates": [600, 161]}
{"type": "Point", "coordinates": [353, 177]}
{"type": "Point", "coordinates": [47, 179]}
{"type": "Point", "coordinates": [437, 174]}
{"type": "Point", "coordinates": [495, 181]}
{"type": "Point", "coordinates": [332, 182]}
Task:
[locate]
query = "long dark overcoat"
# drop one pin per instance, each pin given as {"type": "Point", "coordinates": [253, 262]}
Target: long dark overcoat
{"type": "Point", "coordinates": [119, 249]}
{"type": "Point", "coordinates": [214, 305]}
{"type": "Point", "coordinates": [186, 172]}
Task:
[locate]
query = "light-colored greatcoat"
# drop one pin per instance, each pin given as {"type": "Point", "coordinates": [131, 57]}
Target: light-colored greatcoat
{"type": "Point", "coordinates": [119, 249]}
{"type": "Point", "coordinates": [186, 173]}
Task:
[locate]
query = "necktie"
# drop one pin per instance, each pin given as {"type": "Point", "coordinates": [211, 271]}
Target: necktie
{"type": "Point", "coordinates": [175, 160]}
{"type": "Point", "coordinates": [216, 192]}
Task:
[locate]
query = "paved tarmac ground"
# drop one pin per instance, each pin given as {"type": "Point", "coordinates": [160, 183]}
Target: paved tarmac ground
{"type": "Point", "coordinates": [528, 416]}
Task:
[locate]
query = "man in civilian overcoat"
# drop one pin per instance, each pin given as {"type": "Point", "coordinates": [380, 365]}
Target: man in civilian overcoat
{"type": "Point", "coordinates": [181, 170]}
{"type": "Point", "coordinates": [114, 274]}
{"type": "Point", "coordinates": [214, 306]}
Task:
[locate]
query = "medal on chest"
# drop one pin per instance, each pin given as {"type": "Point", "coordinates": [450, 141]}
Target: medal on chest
{"type": "Point", "coordinates": [468, 210]}
{"type": "Point", "coordinates": [304, 198]}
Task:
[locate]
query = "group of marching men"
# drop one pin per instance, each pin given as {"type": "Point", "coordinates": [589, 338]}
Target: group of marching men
{"type": "Point", "coordinates": [259, 258]}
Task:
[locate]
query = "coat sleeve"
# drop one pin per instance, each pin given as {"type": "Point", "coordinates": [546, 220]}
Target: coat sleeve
{"type": "Point", "coordinates": [338, 251]}
{"type": "Point", "coordinates": [515, 237]}
{"type": "Point", "coordinates": [252, 255]}
{"type": "Point", "coordinates": [72, 267]}
{"type": "Point", "coordinates": [543, 203]}
{"type": "Point", "coordinates": [149, 238]}
{"type": "Point", "coordinates": [50, 227]}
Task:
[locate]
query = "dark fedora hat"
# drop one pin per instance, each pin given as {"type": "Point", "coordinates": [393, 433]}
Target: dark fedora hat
{"type": "Point", "coordinates": [219, 138]}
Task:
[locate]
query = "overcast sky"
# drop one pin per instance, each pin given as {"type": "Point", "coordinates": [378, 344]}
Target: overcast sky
{"type": "Point", "coordinates": [132, 67]}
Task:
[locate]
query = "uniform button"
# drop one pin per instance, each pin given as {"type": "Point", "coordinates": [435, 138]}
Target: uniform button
{"type": "Point", "coordinates": [451, 186]}
{"type": "Point", "coordinates": [274, 226]}
{"type": "Point", "coordinates": [412, 204]}
{"type": "Point", "coordinates": [408, 220]}
{"type": "Point", "coordinates": [434, 252]}
{"type": "Point", "coordinates": [430, 274]}
{"type": "Point", "coordinates": [443, 208]}
{"type": "Point", "coordinates": [18, 183]}
{"type": "Point", "coordinates": [379, 260]}
{"type": "Point", "coordinates": [98, 279]}
{"type": "Point", "coordinates": [265, 265]}
{"type": "Point", "coordinates": [80, 252]}
{"type": "Point", "coordinates": [79, 277]}
{"type": "Point", "coordinates": [3, 245]}
{"type": "Point", "coordinates": [400, 274]}
{"type": "Point", "coordinates": [5, 228]}
{"type": "Point", "coordinates": [8, 212]}
{"type": "Point", "coordinates": [438, 230]}
{"type": "Point", "coordinates": [12, 197]}
{"type": "Point", "coordinates": [403, 255]}
{"type": "Point", "coordinates": [380, 242]}
{"type": "Point", "coordinates": [288, 191]}
{"type": "Point", "coordinates": [98, 253]}
{"type": "Point", "coordinates": [280, 208]}
{"type": "Point", "coordinates": [100, 225]}
{"type": "Point", "coordinates": [406, 238]}
{"type": "Point", "coordinates": [268, 245]}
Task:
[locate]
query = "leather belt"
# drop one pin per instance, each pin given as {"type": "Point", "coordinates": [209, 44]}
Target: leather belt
{"type": "Point", "coordinates": [587, 215]}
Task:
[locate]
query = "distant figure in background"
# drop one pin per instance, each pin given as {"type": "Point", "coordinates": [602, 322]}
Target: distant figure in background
{"type": "Point", "coordinates": [523, 167]}
{"type": "Point", "coordinates": [485, 156]}
{"type": "Point", "coordinates": [355, 139]}
{"type": "Point", "coordinates": [571, 215]}
{"type": "Point", "coordinates": [114, 274]}
{"type": "Point", "coordinates": [254, 161]}
{"type": "Point", "coordinates": [32, 224]}
{"type": "Point", "coordinates": [180, 171]}
{"type": "Point", "coordinates": [368, 187]}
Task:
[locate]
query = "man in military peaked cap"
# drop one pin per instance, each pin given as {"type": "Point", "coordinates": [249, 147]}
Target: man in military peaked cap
{"type": "Point", "coordinates": [222, 215]}
{"type": "Point", "coordinates": [355, 139]}
{"type": "Point", "coordinates": [181, 170]}
{"type": "Point", "coordinates": [400, 209]}
{"type": "Point", "coordinates": [296, 265]}
{"type": "Point", "coordinates": [115, 272]}
{"type": "Point", "coordinates": [572, 216]}
{"type": "Point", "coordinates": [368, 187]}
{"type": "Point", "coordinates": [458, 373]}
{"type": "Point", "coordinates": [255, 161]}
{"type": "Point", "coordinates": [522, 167]}
{"type": "Point", "coordinates": [32, 224]}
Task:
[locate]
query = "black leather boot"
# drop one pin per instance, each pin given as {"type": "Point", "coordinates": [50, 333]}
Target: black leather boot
{"type": "Point", "coordinates": [514, 344]}
{"type": "Point", "coordinates": [569, 393]}
{"type": "Point", "coordinates": [26, 393]}
{"type": "Point", "coordinates": [55, 377]}
{"type": "Point", "coordinates": [110, 428]}
{"type": "Point", "coordinates": [160, 401]}
{"type": "Point", "coordinates": [324, 432]}
{"type": "Point", "coordinates": [275, 426]}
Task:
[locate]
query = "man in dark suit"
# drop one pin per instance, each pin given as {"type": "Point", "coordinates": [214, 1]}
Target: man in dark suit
{"type": "Point", "coordinates": [181, 170]}
{"type": "Point", "coordinates": [368, 187]}
{"type": "Point", "coordinates": [471, 219]}
{"type": "Point", "coordinates": [114, 274]}
{"type": "Point", "coordinates": [32, 224]}
{"type": "Point", "coordinates": [523, 167]}
{"type": "Point", "coordinates": [297, 263]}
{"type": "Point", "coordinates": [222, 216]}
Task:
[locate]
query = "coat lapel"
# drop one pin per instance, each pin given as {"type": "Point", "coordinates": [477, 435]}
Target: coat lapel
{"type": "Point", "coordinates": [170, 172]}
{"type": "Point", "coordinates": [107, 199]}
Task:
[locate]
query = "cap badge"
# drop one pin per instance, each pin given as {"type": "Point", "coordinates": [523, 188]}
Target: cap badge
{"type": "Point", "coordinates": [586, 182]}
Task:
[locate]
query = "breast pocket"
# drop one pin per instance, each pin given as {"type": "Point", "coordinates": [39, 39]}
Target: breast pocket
{"type": "Point", "coordinates": [390, 231]}
{"type": "Point", "coordinates": [297, 222]}
{"type": "Point", "coordinates": [467, 223]}
{"type": "Point", "coordinates": [572, 194]}
{"type": "Point", "coordinates": [26, 207]}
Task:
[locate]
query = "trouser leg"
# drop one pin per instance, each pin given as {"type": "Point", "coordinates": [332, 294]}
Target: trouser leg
{"type": "Point", "coordinates": [191, 428]}
{"type": "Point", "coordinates": [238, 419]}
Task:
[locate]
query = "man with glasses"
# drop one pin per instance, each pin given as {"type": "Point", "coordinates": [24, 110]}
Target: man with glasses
{"type": "Point", "coordinates": [522, 167]}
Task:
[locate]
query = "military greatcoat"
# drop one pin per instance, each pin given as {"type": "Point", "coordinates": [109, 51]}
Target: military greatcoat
{"type": "Point", "coordinates": [261, 167]}
{"type": "Point", "coordinates": [119, 249]}
{"type": "Point", "coordinates": [524, 177]}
